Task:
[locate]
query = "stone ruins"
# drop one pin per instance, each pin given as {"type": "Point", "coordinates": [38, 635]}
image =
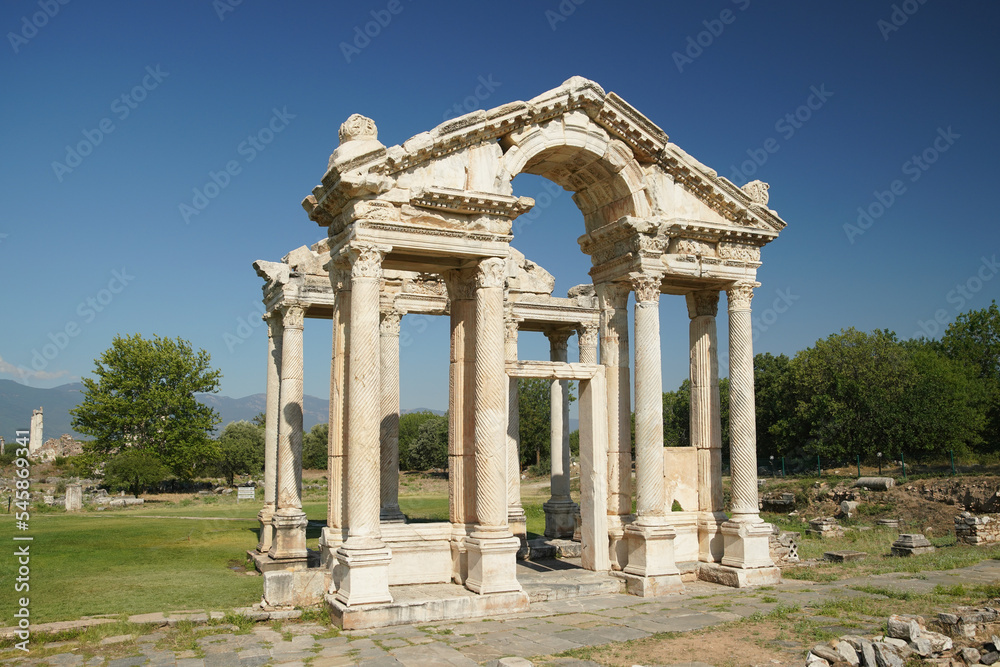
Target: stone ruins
{"type": "Point", "coordinates": [426, 227]}
{"type": "Point", "coordinates": [35, 432]}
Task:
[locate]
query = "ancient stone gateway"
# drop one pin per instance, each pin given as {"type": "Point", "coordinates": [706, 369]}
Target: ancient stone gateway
{"type": "Point", "coordinates": [426, 227]}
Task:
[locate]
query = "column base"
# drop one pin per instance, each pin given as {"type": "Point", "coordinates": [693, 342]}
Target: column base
{"type": "Point", "coordinates": [391, 514]}
{"type": "Point", "coordinates": [361, 575]}
{"type": "Point", "coordinates": [330, 540]}
{"type": "Point", "coordinates": [492, 558]}
{"type": "Point", "coordinates": [560, 518]}
{"type": "Point", "coordinates": [648, 587]}
{"type": "Point", "coordinates": [289, 543]}
{"type": "Point", "coordinates": [618, 545]}
{"type": "Point", "coordinates": [747, 544]}
{"type": "Point", "coordinates": [738, 577]}
{"type": "Point", "coordinates": [266, 537]}
{"type": "Point", "coordinates": [711, 542]}
{"type": "Point", "coordinates": [460, 532]}
{"type": "Point", "coordinates": [651, 548]}
{"type": "Point", "coordinates": [518, 524]}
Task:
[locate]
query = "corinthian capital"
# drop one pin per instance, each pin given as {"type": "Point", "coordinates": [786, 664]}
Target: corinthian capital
{"type": "Point", "coordinates": [491, 273]}
{"type": "Point", "coordinates": [293, 316]}
{"type": "Point", "coordinates": [389, 323]}
{"type": "Point", "coordinates": [740, 295]}
{"type": "Point", "coordinates": [366, 260]}
{"type": "Point", "coordinates": [701, 303]}
{"type": "Point", "coordinates": [646, 287]}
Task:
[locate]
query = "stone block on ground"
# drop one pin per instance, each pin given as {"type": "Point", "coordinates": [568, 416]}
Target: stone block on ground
{"type": "Point", "coordinates": [910, 544]}
{"type": "Point", "coordinates": [875, 483]}
{"type": "Point", "coordinates": [844, 556]}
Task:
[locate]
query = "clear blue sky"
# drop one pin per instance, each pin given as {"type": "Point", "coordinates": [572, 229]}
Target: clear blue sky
{"type": "Point", "coordinates": [98, 244]}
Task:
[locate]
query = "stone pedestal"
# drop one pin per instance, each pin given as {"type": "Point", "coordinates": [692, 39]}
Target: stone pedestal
{"type": "Point", "coordinates": [492, 563]}
{"type": "Point", "coordinates": [289, 536]}
{"type": "Point", "coordinates": [560, 518]}
{"type": "Point", "coordinates": [362, 574]}
{"type": "Point", "coordinates": [74, 497]}
{"type": "Point", "coordinates": [651, 570]}
{"type": "Point", "coordinates": [908, 544]}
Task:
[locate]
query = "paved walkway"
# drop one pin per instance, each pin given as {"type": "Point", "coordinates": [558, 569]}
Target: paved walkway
{"type": "Point", "coordinates": [549, 628]}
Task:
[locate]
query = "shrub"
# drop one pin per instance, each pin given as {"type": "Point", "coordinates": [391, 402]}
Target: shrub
{"type": "Point", "coordinates": [134, 470]}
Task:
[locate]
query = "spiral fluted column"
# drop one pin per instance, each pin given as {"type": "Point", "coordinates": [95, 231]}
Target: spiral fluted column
{"type": "Point", "coordinates": [516, 518]}
{"type": "Point", "coordinates": [289, 520]}
{"type": "Point", "coordinates": [364, 557]}
{"type": "Point", "coordinates": [389, 431]}
{"type": "Point", "coordinates": [491, 547]}
{"type": "Point", "coordinates": [271, 417]}
{"type": "Point", "coordinates": [742, 415]}
{"type": "Point", "coordinates": [333, 534]}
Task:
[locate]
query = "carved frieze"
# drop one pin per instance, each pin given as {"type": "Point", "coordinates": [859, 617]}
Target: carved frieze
{"type": "Point", "coordinates": [471, 203]}
{"type": "Point", "coordinates": [739, 251]}
{"type": "Point", "coordinates": [687, 246]}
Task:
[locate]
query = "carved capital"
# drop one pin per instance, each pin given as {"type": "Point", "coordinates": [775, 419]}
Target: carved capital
{"type": "Point", "coordinates": [558, 338]}
{"type": "Point", "coordinates": [293, 316]}
{"type": "Point", "coordinates": [389, 323]}
{"type": "Point", "coordinates": [366, 260]}
{"type": "Point", "coordinates": [613, 296]}
{"type": "Point", "coordinates": [705, 302]}
{"type": "Point", "coordinates": [646, 288]}
{"type": "Point", "coordinates": [510, 329]}
{"type": "Point", "coordinates": [588, 336]}
{"type": "Point", "coordinates": [491, 273]}
{"type": "Point", "coordinates": [340, 277]}
{"type": "Point", "coordinates": [274, 321]}
{"type": "Point", "coordinates": [740, 295]}
{"type": "Point", "coordinates": [461, 284]}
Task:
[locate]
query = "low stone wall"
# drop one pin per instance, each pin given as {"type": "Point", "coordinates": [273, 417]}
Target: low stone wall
{"type": "Point", "coordinates": [784, 547]}
{"type": "Point", "coordinates": [972, 529]}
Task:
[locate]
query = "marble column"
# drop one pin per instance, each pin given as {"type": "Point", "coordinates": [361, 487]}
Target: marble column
{"type": "Point", "coordinates": [364, 558]}
{"type": "Point", "coordinates": [706, 424]}
{"type": "Point", "coordinates": [289, 521]}
{"type": "Point", "coordinates": [650, 537]}
{"type": "Point", "coordinates": [746, 536]}
{"type": "Point", "coordinates": [271, 417]}
{"type": "Point", "coordinates": [560, 510]}
{"type": "Point", "coordinates": [587, 337]}
{"type": "Point", "coordinates": [492, 549]}
{"type": "Point", "coordinates": [461, 427]}
{"type": "Point", "coordinates": [516, 518]}
{"type": "Point", "coordinates": [389, 431]}
{"type": "Point", "coordinates": [333, 534]}
{"type": "Point", "coordinates": [613, 299]}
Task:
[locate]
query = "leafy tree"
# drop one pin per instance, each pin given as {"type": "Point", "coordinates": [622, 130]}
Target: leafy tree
{"type": "Point", "coordinates": [259, 420]}
{"type": "Point", "coordinates": [241, 450]}
{"type": "Point", "coordinates": [775, 401]}
{"type": "Point", "coordinates": [974, 338]}
{"type": "Point", "coordinates": [409, 429]}
{"type": "Point", "coordinates": [315, 447]}
{"type": "Point", "coordinates": [134, 470]}
{"type": "Point", "coordinates": [677, 415]}
{"type": "Point", "coordinates": [144, 399]}
{"type": "Point", "coordinates": [430, 449]}
{"type": "Point", "coordinates": [534, 420]}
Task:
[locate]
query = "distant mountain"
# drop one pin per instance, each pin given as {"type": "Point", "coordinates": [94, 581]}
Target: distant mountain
{"type": "Point", "coordinates": [18, 400]}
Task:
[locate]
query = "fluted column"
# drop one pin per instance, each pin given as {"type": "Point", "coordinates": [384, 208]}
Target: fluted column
{"type": "Point", "coordinates": [560, 510]}
{"type": "Point", "coordinates": [333, 534]}
{"type": "Point", "coordinates": [364, 556]}
{"type": "Point", "coordinates": [742, 414]}
{"type": "Point", "coordinates": [289, 543]}
{"type": "Point", "coordinates": [650, 537]}
{"type": "Point", "coordinates": [492, 548]}
{"type": "Point", "coordinates": [515, 512]}
{"type": "Point", "coordinates": [613, 299]}
{"type": "Point", "coordinates": [745, 535]}
{"type": "Point", "coordinates": [706, 425]}
{"type": "Point", "coordinates": [389, 431]}
{"type": "Point", "coordinates": [271, 417]}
